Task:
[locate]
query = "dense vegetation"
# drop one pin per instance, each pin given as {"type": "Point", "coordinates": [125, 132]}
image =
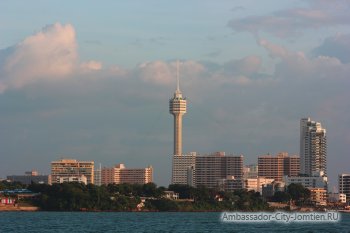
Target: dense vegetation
{"type": "Point", "coordinates": [5, 185]}
{"type": "Point", "coordinates": [126, 197]}
{"type": "Point", "coordinates": [295, 192]}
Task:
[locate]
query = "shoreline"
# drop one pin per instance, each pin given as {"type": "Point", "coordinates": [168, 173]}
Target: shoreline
{"type": "Point", "coordinates": [37, 209]}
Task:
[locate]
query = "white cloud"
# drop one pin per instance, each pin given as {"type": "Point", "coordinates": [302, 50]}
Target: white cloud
{"type": "Point", "coordinates": [50, 54]}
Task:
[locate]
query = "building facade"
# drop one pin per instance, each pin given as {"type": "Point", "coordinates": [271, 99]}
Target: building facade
{"type": "Point", "coordinates": [256, 184]}
{"type": "Point", "coordinates": [318, 180]}
{"type": "Point", "coordinates": [65, 168]}
{"type": "Point", "coordinates": [275, 167]}
{"type": "Point", "coordinates": [230, 184]}
{"type": "Point", "coordinates": [318, 196]}
{"type": "Point", "coordinates": [344, 185]}
{"type": "Point", "coordinates": [68, 179]}
{"type": "Point", "coordinates": [119, 174]}
{"type": "Point", "coordinates": [250, 171]}
{"type": "Point", "coordinates": [97, 176]}
{"type": "Point", "coordinates": [29, 177]}
{"type": "Point", "coordinates": [337, 198]}
{"type": "Point", "coordinates": [210, 169]}
{"type": "Point", "coordinates": [183, 169]}
{"type": "Point", "coordinates": [313, 147]}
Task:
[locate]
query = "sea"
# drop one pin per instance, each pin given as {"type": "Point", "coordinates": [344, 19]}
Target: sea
{"type": "Point", "coordinates": [37, 222]}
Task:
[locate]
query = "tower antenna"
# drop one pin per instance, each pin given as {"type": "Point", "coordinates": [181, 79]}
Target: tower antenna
{"type": "Point", "coordinates": [177, 76]}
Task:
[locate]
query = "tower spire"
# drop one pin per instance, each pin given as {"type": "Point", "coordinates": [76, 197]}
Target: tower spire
{"type": "Point", "coordinates": [177, 76]}
{"type": "Point", "coordinates": [177, 92]}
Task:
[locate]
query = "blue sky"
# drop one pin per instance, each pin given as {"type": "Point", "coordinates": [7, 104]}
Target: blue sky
{"type": "Point", "coordinates": [91, 81]}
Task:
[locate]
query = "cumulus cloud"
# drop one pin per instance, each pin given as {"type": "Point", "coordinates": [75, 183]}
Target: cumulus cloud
{"type": "Point", "coordinates": [292, 22]}
{"type": "Point", "coordinates": [48, 54]}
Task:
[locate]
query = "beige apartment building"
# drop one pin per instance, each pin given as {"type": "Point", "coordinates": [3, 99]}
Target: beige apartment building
{"type": "Point", "coordinates": [210, 169]}
{"type": "Point", "coordinates": [119, 174]}
{"type": "Point", "coordinates": [71, 169]}
{"type": "Point", "coordinates": [318, 196]}
{"type": "Point", "coordinates": [275, 167]}
{"type": "Point", "coordinates": [183, 169]}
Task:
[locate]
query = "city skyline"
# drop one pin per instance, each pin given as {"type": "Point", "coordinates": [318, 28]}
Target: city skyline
{"type": "Point", "coordinates": [93, 83]}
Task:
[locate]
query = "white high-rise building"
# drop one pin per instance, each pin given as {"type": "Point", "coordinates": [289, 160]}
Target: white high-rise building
{"type": "Point", "coordinates": [97, 176]}
{"type": "Point", "coordinates": [177, 107]}
{"type": "Point", "coordinates": [313, 147]}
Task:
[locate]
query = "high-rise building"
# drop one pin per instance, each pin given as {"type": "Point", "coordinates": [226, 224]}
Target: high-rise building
{"type": "Point", "coordinates": [119, 174]}
{"type": "Point", "coordinates": [97, 176]}
{"type": "Point", "coordinates": [313, 147]}
{"type": "Point", "coordinates": [71, 170]}
{"type": "Point", "coordinates": [275, 167]}
{"type": "Point", "coordinates": [183, 171]}
{"type": "Point", "coordinates": [211, 169]}
{"type": "Point", "coordinates": [344, 185]}
{"type": "Point", "coordinates": [177, 107]}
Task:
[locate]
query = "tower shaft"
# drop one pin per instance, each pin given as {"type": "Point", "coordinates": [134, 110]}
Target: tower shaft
{"type": "Point", "coordinates": [178, 134]}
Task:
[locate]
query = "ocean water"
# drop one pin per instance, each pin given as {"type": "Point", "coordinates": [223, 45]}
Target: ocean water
{"type": "Point", "coordinates": [37, 222]}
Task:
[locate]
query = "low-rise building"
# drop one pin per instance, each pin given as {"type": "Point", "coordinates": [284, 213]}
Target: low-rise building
{"type": "Point", "coordinates": [318, 196]}
{"type": "Point", "coordinates": [171, 195]}
{"type": "Point", "coordinates": [256, 184]}
{"type": "Point", "coordinates": [29, 177]}
{"type": "Point", "coordinates": [337, 198]}
{"type": "Point", "coordinates": [318, 180]}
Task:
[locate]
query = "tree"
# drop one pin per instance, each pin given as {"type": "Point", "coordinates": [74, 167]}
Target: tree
{"type": "Point", "coordinates": [298, 192]}
{"type": "Point", "coordinates": [280, 196]}
{"type": "Point", "coordinates": [185, 191]}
